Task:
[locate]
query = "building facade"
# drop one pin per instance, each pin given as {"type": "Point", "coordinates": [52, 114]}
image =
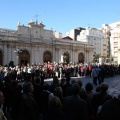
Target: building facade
{"type": "Point", "coordinates": [115, 41]}
{"type": "Point", "coordinates": [106, 29]}
{"type": "Point", "coordinates": [74, 33]}
{"type": "Point", "coordinates": [99, 41]}
{"type": "Point", "coordinates": [97, 38]}
{"type": "Point", "coordinates": [113, 34]}
{"type": "Point", "coordinates": [34, 44]}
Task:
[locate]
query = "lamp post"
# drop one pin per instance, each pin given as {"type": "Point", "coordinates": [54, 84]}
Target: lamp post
{"type": "Point", "coordinates": [94, 56]}
{"type": "Point", "coordinates": [17, 51]}
{"type": "Point", "coordinates": [65, 56]}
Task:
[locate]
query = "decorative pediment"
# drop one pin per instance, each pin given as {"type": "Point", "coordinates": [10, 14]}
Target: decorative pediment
{"type": "Point", "coordinates": [67, 38]}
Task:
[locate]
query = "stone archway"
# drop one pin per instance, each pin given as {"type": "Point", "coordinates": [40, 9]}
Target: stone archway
{"type": "Point", "coordinates": [1, 58]}
{"type": "Point", "coordinates": [80, 58]}
{"type": "Point", "coordinates": [66, 57]}
{"type": "Point", "coordinates": [47, 57]}
{"type": "Point", "coordinates": [24, 58]}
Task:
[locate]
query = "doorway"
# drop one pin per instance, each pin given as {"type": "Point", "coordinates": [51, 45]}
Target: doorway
{"type": "Point", "coordinates": [47, 57]}
{"type": "Point", "coordinates": [24, 58]}
{"type": "Point", "coordinates": [80, 58]}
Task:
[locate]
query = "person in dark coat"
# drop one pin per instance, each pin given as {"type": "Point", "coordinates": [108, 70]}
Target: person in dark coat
{"type": "Point", "coordinates": [89, 98]}
{"type": "Point", "coordinates": [55, 110]}
{"type": "Point", "coordinates": [28, 103]}
{"type": "Point", "coordinates": [45, 96]}
{"type": "Point", "coordinates": [75, 107]}
{"type": "Point", "coordinates": [59, 94]}
{"type": "Point", "coordinates": [37, 92]}
{"type": "Point", "coordinates": [66, 87]}
{"type": "Point", "coordinates": [111, 109]}
{"type": "Point", "coordinates": [100, 98]}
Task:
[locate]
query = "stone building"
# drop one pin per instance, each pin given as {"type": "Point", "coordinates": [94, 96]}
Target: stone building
{"type": "Point", "coordinates": [34, 44]}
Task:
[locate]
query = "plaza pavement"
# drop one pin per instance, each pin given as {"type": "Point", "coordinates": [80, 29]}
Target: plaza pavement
{"type": "Point", "coordinates": [113, 82]}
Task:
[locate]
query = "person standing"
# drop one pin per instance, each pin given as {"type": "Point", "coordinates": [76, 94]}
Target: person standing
{"type": "Point", "coordinates": [75, 107]}
{"type": "Point", "coordinates": [111, 109]}
{"type": "Point", "coordinates": [29, 110]}
{"type": "Point", "coordinates": [95, 75]}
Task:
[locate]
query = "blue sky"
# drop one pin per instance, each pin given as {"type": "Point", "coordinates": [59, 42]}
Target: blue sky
{"type": "Point", "coordinates": [60, 15]}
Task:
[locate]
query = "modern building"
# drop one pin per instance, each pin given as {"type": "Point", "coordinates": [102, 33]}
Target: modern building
{"type": "Point", "coordinates": [98, 39]}
{"type": "Point", "coordinates": [74, 33]}
{"type": "Point", "coordinates": [57, 34]}
{"type": "Point", "coordinates": [106, 29]}
{"type": "Point", "coordinates": [115, 41]}
{"type": "Point", "coordinates": [35, 44]}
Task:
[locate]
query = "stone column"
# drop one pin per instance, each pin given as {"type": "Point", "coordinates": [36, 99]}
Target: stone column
{"type": "Point", "coordinates": [32, 54]}
{"type": "Point", "coordinates": [14, 55]}
{"type": "Point", "coordinates": [37, 55]}
{"type": "Point", "coordinates": [88, 61]}
{"type": "Point", "coordinates": [5, 54]}
{"type": "Point", "coordinates": [41, 55]}
{"type": "Point", "coordinates": [9, 54]}
{"type": "Point", "coordinates": [90, 56]}
{"type": "Point", "coordinates": [57, 55]}
{"type": "Point", "coordinates": [87, 56]}
{"type": "Point", "coordinates": [53, 53]}
{"type": "Point", "coordinates": [60, 56]}
{"type": "Point", "coordinates": [71, 60]}
{"type": "Point", "coordinates": [42, 52]}
{"type": "Point", "coordinates": [71, 54]}
{"type": "Point", "coordinates": [39, 51]}
{"type": "Point", "coordinates": [75, 56]}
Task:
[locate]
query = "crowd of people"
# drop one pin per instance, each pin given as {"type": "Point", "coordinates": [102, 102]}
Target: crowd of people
{"type": "Point", "coordinates": [49, 70]}
{"type": "Point", "coordinates": [25, 95]}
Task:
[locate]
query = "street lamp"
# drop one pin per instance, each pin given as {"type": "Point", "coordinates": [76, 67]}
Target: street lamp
{"type": "Point", "coordinates": [17, 51]}
{"type": "Point", "coordinates": [94, 56]}
{"type": "Point", "coordinates": [65, 56]}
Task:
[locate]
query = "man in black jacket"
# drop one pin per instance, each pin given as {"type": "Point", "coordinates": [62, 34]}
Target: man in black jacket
{"type": "Point", "coordinates": [111, 109]}
{"type": "Point", "coordinates": [100, 98]}
{"type": "Point", "coordinates": [75, 107]}
{"type": "Point", "coordinates": [28, 103]}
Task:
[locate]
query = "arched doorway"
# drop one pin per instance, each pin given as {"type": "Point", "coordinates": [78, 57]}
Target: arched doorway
{"type": "Point", "coordinates": [1, 58]}
{"type": "Point", "coordinates": [47, 57]}
{"type": "Point", "coordinates": [66, 57]}
{"type": "Point", "coordinates": [80, 58]}
{"type": "Point", "coordinates": [24, 58]}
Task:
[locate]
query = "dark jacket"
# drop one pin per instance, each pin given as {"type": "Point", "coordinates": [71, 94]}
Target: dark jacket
{"type": "Point", "coordinates": [76, 108]}
{"type": "Point", "coordinates": [111, 110]}
{"type": "Point", "coordinates": [28, 108]}
{"type": "Point", "coordinates": [99, 99]}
